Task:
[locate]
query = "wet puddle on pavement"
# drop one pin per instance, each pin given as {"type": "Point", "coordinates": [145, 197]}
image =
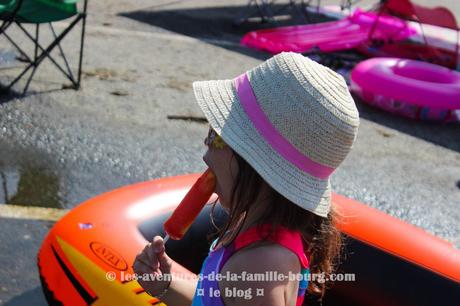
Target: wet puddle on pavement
{"type": "Point", "coordinates": [26, 178]}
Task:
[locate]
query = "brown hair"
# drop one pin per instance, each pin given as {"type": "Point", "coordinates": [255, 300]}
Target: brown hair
{"type": "Point", "coordinates": [321, 239]}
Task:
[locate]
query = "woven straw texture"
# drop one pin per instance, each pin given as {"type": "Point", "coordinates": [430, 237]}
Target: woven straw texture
{"type": "Point", "coordinates": [307, 103]}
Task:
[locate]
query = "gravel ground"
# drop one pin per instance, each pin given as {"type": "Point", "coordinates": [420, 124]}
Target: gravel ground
{"type": "Point", "coordinates": [61, 147]}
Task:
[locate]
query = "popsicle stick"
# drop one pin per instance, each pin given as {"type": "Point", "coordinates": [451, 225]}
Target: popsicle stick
{"type": "Point", "coordinates": [165, 239]}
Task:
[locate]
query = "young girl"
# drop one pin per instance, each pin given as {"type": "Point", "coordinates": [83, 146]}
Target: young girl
{"type": "Point", "coordinates": [277, 133]}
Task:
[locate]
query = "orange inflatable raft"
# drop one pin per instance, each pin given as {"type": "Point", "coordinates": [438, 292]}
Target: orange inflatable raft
{"type": "Point", "coordinates": [87, 255]}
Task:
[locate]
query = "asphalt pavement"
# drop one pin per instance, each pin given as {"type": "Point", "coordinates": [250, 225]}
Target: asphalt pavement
{"type": "Point", "coordinates": [135, 119]}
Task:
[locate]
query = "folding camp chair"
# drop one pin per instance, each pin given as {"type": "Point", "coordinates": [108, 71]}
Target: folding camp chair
{"type": "Point", "coordinates": [437, 16]}
{"type": "Point", "coordinates": [264, 10]}
{"type": "Point", "coordinates": [344, 4]}
{"type": "Point", "coordinates": [38, 12]}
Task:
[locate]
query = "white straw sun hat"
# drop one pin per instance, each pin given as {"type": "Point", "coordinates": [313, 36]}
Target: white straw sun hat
{"type": "Point", "coordinates": [292, 119]}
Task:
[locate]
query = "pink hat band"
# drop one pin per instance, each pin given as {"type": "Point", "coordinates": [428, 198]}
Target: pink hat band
{"type": "Point", "coordinates": [272, 136]}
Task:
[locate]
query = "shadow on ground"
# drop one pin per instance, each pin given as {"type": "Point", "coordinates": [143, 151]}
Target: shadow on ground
{"type": "Point", "coordinates": [214, 24]}
{"type": "Point", "coordinates": [217, 24]}
{"type": "Point", "coordinates": [8, 95]}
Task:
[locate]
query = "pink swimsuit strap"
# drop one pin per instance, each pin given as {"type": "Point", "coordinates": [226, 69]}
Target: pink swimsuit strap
{"type": "Point", "coordinates": [283, 236]}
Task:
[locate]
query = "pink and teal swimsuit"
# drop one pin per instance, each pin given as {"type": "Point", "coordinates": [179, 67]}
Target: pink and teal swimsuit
{"type": "Point", "coordinates": [217, 258]}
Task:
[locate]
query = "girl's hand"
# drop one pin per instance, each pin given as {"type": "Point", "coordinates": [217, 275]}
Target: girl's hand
{"type": "Point", "coordinates": [154, 262]}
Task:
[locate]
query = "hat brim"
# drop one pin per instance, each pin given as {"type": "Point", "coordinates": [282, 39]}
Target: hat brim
{"type": "Point", "coordinates": [221, 106]}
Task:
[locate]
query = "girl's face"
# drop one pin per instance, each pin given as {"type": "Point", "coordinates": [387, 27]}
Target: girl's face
{"type": "Point", "coordinates": [219, 158]}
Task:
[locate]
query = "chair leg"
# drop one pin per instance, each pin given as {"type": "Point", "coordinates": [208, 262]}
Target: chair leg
{"type": "Point", "coordinates": [23, 53]}
{"type": "Point", "coordinates": [5, 25]}
{"type": "Point", "coordinates": [254, 8]}
{"type": "Point", "coordinates": [82, 41]}
{"type": "Point", "coordinates": [37, 35]}
{"type": "Point", "coordinates": [37, 43]}
{"type": "Point", "coordinates": [29, 79]}
{"type": "Point", "coordinates": [19, 76]}
{"type": "Point", "coordinates": [299, 9]}
{"type": "Point", "coordinates": [244, 15]}
{"type": "Point", "coordinates": [45, 53]}
{"type": "Point", "coordinates": [265, 11]}
{"type": "Point", "coordinates": [41, 53]}
{"type": "Point", "coordinates": [72, 79]}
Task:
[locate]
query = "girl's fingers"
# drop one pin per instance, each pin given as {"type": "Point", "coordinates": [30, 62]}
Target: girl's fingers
{"type": "Point", "coordinates": [151, 256]}
{"type": "Point", "coordinates": [139, 267]}
{"type": "Point", "coordinates": [158, 244]}
{"type": "Point", "coordinates": [147, 251]}
{"type": "Point", "coordinates": [154, 264]}
{"type": "Point", "coordinates": [150, 253]}
{"type": "Point", "coordinates": [142, 257]}
{"type": "Point", "coordinates": [147, 261]}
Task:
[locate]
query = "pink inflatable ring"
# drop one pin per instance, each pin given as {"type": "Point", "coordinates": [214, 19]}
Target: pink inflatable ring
{"type": "Point", "coordinates": [410, 88]}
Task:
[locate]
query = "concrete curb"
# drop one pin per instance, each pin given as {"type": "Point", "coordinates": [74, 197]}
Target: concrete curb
{"type": "Point", "coordinates": [31, 213]}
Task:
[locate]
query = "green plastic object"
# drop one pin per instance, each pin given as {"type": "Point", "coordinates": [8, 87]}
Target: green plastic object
{"type": "Point", "coordinates": [40, 11]}
{"type": "Point", "coordinates": [6, 6]}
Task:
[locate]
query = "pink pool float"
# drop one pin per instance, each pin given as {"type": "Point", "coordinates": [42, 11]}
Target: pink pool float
{"type": "Point", "coordinates": [414, 89]}
{"type": "Point", "coordinates": [344, 34]}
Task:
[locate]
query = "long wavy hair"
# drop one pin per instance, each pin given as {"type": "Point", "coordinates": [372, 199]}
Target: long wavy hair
{"type": "Point", "coordinates": [321, 239]}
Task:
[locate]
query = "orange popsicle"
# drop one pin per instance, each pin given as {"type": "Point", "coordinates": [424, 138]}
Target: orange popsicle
{"type": "Point", "coordinates": [190, 206]}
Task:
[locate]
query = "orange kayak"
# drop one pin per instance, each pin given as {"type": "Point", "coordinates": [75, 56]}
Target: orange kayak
{"type": "Point", "coordinates": [86, 257]}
